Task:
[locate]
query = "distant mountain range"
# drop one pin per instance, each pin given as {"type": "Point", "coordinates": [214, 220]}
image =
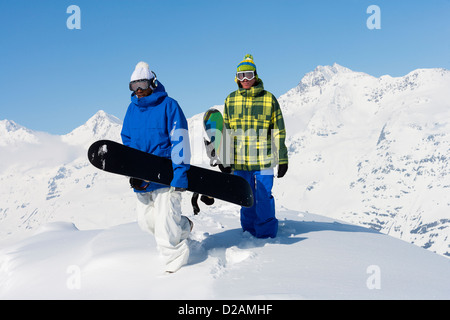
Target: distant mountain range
{"type": "Point", "coordinates": [372, 151]}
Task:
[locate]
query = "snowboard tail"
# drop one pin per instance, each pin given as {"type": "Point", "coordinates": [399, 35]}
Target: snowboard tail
{"type": "Point", "coordinates": [117, 158]}
{"type": "Point", "coordinates": [213, 125]}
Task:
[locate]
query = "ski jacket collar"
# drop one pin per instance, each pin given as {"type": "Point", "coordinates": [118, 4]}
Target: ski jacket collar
{"type": "Point", "coordinates": [255, 91]}
{"type": "Point", "coordinates": [153, 100]}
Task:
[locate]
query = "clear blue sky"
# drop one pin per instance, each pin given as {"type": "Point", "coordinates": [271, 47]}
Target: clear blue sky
{"type": "Point", "coordinates": [53, 79]}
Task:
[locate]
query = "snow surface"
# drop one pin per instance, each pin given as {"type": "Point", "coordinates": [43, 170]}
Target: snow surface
{"type": "Point", "coordinates": [312, 258]}
{"type": "Point", "coordinates": [368, 162]}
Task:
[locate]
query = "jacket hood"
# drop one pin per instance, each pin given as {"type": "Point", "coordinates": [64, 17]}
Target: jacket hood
{"type": "Point", "coordinates": [153, 100]}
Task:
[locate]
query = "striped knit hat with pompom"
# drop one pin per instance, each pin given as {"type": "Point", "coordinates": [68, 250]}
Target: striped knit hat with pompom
{"type": "Point", "coordinates": [247, 64]}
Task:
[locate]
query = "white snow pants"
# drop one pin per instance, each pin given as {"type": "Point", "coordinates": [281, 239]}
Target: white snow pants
{"type": "Point", "coordinates": [159, 212]}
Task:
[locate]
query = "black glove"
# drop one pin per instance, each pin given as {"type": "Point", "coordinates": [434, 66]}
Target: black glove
{"type": "Point", "coordinates": [282, 169]}
{"type": "Point", "coordinates": [207, 200]}
{"type": "Point", "coordinates": [138, 184]}
{"type": "Point", "coordinates": [224, 169]}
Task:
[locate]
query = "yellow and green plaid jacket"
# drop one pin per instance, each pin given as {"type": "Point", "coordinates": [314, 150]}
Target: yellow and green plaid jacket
{"type": "Point", "coordinates": [255, 129]}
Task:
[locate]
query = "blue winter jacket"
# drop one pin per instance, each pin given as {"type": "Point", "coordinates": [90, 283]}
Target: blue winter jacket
{"type": "Point", "coordinates": [156, 124]}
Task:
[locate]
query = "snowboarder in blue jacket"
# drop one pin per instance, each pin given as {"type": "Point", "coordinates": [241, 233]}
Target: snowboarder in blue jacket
{"type": "Point", "coordinates": [155, 123]}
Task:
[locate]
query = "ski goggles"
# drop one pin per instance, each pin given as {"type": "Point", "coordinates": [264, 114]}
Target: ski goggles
{"type": "Point", "coordinates": [242, 75]}
{"type": "Point", "coordinates": [140, 84]}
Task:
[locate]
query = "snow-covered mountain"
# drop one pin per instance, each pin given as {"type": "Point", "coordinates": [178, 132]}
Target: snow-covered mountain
{"type": "Point", "coordinates": [100, 126]}
{"type": "Point", "coordinates": [48, 178]}
{"type": "Point", "coordinates": [368, 151]}
{"type": "Point", "coordinates": [372, 151]}
{"type": "Point", "coordinates": [11, 133]}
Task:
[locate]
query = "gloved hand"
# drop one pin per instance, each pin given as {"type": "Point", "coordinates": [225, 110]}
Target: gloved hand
{"type": "Point", "coordinates": [207, 200]}
{"type": "Point", "coordinates": [282, 169]}
{"type": "Point", "coordinates": [224, 169]}
{"type": "Point", "coordinates": [138, 184]}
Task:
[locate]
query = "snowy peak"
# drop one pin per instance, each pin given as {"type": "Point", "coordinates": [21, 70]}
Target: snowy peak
{"type": "Point", "coordinates": [101, 116]}
{"type": "Point", "coordinates": [337, 75]}
{"type": "Point", "coordinates": [330, 71]}
{"type": "Point", "coordinates": [321, 84]}
{"type": "Point", "coordinates": [100, 126]}
{"type": "Point", "coordinates": [425, 80]}
{"type": "Point", "coordinates": [424, 75]}
{"type": "Point", "coordinates": [100, 123]}
{"type": "Point", "coordinates": [12, 133]}
{"type": "Point", "coordinates": [9, 126]}
{"type": "Point", "coordinates": [322, 75]}
{"type": "Point", "coordinates": [337, 87]}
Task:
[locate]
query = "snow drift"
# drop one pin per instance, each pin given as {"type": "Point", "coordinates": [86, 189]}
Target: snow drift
{"type": "Point", "coordinates": [312, 258]}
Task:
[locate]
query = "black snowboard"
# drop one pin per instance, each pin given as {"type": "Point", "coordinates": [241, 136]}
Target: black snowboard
{"type": "Point", "coordinates": [117, 158]}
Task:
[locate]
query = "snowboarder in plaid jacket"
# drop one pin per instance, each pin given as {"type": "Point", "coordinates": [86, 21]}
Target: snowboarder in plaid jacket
{"type": "Point", "coordinates": [256, 134]}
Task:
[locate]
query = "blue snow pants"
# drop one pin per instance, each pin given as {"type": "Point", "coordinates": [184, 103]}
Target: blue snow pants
{"type": "Point", "coordinates": [260, 219]}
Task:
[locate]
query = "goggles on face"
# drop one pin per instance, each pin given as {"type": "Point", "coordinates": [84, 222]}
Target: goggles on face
{"type": "Point", "coordinates": [242, 75]}
{"type": "Point", "coordinates": [139, 84]}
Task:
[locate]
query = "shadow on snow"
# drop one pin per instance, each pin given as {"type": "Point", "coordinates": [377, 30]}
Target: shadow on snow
{"type": "Point", "coordinates": [289, 232]}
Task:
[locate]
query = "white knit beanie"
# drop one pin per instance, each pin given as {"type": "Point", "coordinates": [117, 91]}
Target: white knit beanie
{"type": "Point", "coordinates": [142, 71]}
